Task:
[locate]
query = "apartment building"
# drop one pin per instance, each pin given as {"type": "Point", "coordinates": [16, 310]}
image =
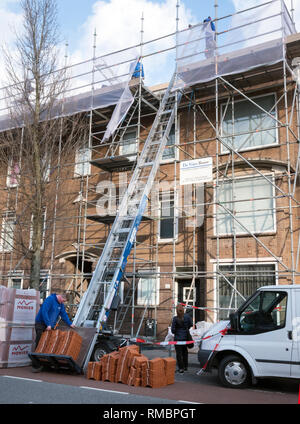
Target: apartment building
{"type": "Point", "coordinates": [208, 242]}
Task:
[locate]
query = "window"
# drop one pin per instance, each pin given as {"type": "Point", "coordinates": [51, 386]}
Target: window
{"type": "Point", "coordinates": [266, 312]}
{"type": "Point", "coordinates": [13, 174]}
{"type": "Point", "coordinates": [15, 280]}
{"type": "Point", "coordinates": [44, 284]}
{"type": "Point", "coordinates": [248, 279]}
{"type": "Point", "coordinates": [128, 144]}
{"type": "Point", "coordinates": [251, 201]}
{"type": "Point", "coordinates": [246, 126]}
{"type": "Point", "coordinates": [148, 290]}
{"type": "Point", "coordinates": [44, 231]}
{"type": "Point", "coordinates": [82, 162]}
{"type": "Point", "coordinates": [168, 219]}
{"type": "Point", "coordinates": [169, 152]}
{"type": "Point", "coordinates": [7, 233]}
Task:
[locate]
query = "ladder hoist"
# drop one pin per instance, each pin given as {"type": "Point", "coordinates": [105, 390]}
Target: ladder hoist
{"type": "Point", "coordinates": [101, 296]}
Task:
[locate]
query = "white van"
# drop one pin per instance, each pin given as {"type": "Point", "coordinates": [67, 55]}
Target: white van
{"type": "Point", "coordinates": [262, 340]}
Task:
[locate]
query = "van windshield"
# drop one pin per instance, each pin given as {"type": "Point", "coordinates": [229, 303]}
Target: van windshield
{"type": "Point", "coordinates": [265, 312]}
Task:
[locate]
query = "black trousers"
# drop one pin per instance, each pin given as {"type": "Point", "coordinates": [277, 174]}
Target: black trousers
{"type": "Point", "coordinates": [39, 329]}
{"type": "Point", "coordinates": [181, 356]}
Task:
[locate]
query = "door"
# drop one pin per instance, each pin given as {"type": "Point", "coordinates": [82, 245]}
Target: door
{"type": "Point", "coordinates": [264, 324]}
{"type": "Point", "coordinates": [296, 334]}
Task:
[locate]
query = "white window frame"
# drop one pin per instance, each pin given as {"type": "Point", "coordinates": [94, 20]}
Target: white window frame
{"type": "Point", "coordinates": [122, 147]}
{"type": "Point", "coordinates": [44, 272]}
{"type": "Point", "coordinates": [175, 200]}
{"type": "Point", "coordinates": [3, 241]}
{"type": "Point", "coordinates": [248, 261]}
{"type": "Point", "coordinates": [271, 232]}
{"type": "Point", "coordinates": [10, 167]}
{"type": "Point", "coordinates": [17, 274]}
{"type": "Point", "coordinates": [44, 230]}
{"type": "Point", "coordinates": [224, 150]}
{"type": "Point", "coordinates": [185, 294]}
{"type": "Point", "coordinates": [177, 142]}
{"type": "Point", "coordinates": [82, 166]}
{"type": "Point", "coordinates": [140, 301]}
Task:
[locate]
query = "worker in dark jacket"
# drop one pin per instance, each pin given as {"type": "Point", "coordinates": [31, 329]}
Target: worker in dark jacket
{"type": "Point", "coordinates": [210, 42]}
{"type": "Point", "coordinates": [47, 317]}
{"type": "Point", "coordinates": [181, 324]}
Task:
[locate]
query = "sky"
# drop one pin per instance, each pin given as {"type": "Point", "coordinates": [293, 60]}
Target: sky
{"type": "Point", "coordinates": [118, 22]}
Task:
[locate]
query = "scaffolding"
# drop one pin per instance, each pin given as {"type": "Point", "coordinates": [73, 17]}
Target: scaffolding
{"type": "Point", "coordinates": [215, 253]}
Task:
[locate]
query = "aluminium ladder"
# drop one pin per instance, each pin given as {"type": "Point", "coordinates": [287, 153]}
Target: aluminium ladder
{"type": "Point", "coordinates": [97, 300]}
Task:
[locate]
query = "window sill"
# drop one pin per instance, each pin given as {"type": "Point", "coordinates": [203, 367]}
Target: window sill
{"type": "Point", "coordinates": [167, 241]}
{"type": "Point", "coordinates": [250, 149]}
{"type": "Point", "coordinates": [268, 233]}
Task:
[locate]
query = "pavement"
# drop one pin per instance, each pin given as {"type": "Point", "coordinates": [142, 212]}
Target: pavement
{"type": "Point", "coordinates": [163, 352]}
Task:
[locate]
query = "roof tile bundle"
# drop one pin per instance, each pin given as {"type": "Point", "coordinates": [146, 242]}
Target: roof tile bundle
{"type": "Point", "coordinates": [157, 373]}
{"type": "Point", "coordinates": [126, 353]}
{"type": "Point", "coordinates": [53, 341]}
{"type": "Point", "coordinates": [109, 366]}
{"type": "Point", "coordinates": [69, 344]}
{"type": "Point", "coordinates": [94, 371]}
{"type": "Point", "coordinates": [18, 309]}
{"type": "Point", "coordinates": [130, 367]}
{"type": "Point", "coordinates": [66, 343]}
{"type": "Point", "coordinates": [15, 353]}
{"type": "Point", "coordinates": [170, 368]}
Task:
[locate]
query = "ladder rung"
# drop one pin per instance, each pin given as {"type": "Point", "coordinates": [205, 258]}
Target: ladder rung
{"type": "Point", "coordinates": [123, 230]}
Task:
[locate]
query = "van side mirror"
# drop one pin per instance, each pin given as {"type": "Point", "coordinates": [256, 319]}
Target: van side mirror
{"type": "Point", "coordinates": [234, 321]}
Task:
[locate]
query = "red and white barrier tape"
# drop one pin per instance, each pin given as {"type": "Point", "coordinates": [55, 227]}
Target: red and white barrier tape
{"type": "Point", "coordinates": [223, 333]}
{"type": "Point", "coordinates": [139, 340]}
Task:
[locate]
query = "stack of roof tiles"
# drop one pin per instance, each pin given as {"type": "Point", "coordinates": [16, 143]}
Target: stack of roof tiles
{"type": "Point", "coordinates": [94, 371]}
{"type": "Point", "coordinates": [128, 366]}
{"type": "Point", "coordinates": [57, 342]}
{"type": "Point", "coordinates": [18, 309]}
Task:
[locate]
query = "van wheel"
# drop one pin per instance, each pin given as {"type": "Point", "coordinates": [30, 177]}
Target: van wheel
{"type": "Point", "coordinates": [234, 372]}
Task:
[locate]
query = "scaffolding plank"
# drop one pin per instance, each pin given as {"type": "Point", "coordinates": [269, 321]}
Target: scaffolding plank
{"type": "Point", "coordinates": [114, 163]}
{"type": "Point", "coordinates": [109, 219]}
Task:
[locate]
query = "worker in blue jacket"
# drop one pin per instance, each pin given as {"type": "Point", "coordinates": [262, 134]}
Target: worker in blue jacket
{"type": "Point", "coordinates": [210, 42]}
{"type": "Point", "coordinates": [139, 70]}
{"type": "Point", "coordinates": [47, 317]}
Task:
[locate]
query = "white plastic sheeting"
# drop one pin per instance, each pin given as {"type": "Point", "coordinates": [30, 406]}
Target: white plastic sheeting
{"type": "Point", "coordinates": [123, 105]}
{"type": "Point", "coordinates": [244, 40]}
{"type": "Point", "coordinates": [91, 85]}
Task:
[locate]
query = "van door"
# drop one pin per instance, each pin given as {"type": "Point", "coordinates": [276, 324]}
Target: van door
{"type": "Point", "coordinates": [264, 332]}
{"type": "Point", "coordinates": [296, 335]}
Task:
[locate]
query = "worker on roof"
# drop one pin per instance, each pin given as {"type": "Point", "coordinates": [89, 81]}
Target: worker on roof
{"type": "Point", "coordinates": [47, 317]}
{"type": "Point", "coordinates": [139, 69]}
{"type": "Point", "coordinates": [210, 38]}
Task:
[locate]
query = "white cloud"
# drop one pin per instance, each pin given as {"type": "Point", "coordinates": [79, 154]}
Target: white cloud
{"type": "Point", "coordinates": [118, 26]}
